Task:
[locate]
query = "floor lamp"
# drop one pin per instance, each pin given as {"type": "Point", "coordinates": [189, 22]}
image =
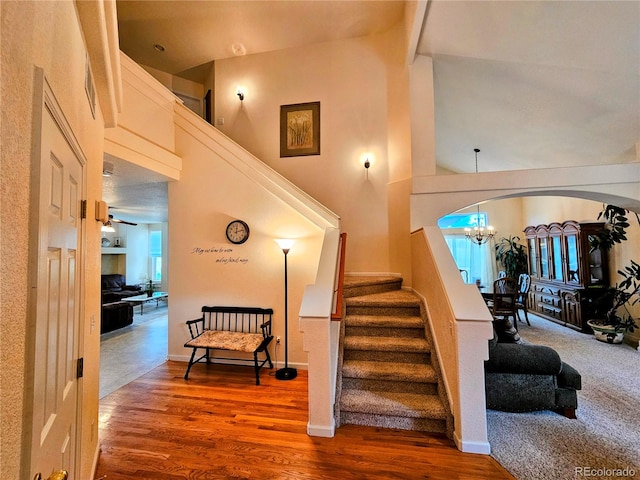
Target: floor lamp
{"type": "Point", "coordinates": [286, 373]}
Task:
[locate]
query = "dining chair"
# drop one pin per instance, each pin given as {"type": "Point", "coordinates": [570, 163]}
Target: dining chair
{"type": "Point", "coordinates": [465, 275]}
{"type": "Point", "coordinates": [503, 304]}
{"type": "Point", "coordinates": [522, 299]}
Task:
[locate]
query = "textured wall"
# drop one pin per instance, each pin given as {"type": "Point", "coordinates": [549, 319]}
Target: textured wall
{"type": "Point", "coordinates": [47, 35]}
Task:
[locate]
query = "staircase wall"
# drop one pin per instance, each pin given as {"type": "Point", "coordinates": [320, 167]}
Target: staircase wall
{"type": "Point", "coordinates": [461, 326]}
{"type": "Point", "coordinates": [212, 181]}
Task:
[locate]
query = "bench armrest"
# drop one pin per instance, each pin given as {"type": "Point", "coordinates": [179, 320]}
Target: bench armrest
{"type": "Point", "coordinates": [266, 329]}
{"type": "Point", "coordinates": [196, 327]}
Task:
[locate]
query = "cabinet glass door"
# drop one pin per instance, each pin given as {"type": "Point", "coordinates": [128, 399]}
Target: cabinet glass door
{"type": "Point", "coordinates": [533, 257]}
{"type": "Point", "coordinates": [596, 267]}
{"type": "Point", "coordinates": [544, 258]}
{"type": "Point", "coordinates": [556, 258]}
{"type": "Point", "coordinates": [573, 275]}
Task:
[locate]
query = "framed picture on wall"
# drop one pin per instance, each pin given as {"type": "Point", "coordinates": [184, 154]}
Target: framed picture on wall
{"type": "Point", "coordinates": [300, 129]}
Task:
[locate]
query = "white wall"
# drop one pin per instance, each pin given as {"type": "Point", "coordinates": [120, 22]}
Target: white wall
{"type": "Point", "coordinates": [349, 79]}
{"type": "Point", "coordinates": [137, 253]}
{"type": "Point", "coordinates": [206, 269]}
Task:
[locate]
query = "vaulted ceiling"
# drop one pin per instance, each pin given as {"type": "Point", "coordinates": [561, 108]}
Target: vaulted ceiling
{"type": "Point", "coordinates": [533, 84]}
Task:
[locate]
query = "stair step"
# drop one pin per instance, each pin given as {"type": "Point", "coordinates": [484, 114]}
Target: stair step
{"type": "Point", "coordinates": [351, 383]}
{"type": "Point", "coordinates": [430, 425]}
{"type": "Point", "coordinates": [384, 321]}
{"type": "Point", "coordinates": [357, 285]}
{"type": "Point", "coordinates": [377, 356]}
{"type": "Point", "coordinates": [400, 372]}
{"type": "Point", "coordinates": [384, 332]}
{"type": "Point", "coordinates": [384, 326]}
{"type": "Point", "coordinates": [396, 303]}
{"type": "Point", "coordinates": [397, 298]}
{"type": "Point", "coordinates": [387, 344]}
{"type": "Point", "coordinates": [409, 405]}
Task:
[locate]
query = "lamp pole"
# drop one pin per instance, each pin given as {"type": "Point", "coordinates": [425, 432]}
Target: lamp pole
{"type": "Point", "coordinates": [286, 373]}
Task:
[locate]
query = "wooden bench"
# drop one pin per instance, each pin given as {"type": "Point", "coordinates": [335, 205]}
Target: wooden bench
{"type": "Point", "coordinates": [231, 329]}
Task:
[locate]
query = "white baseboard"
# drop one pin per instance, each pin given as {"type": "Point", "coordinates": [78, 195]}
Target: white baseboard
{"type": "Point", "coordinates": [481, 448]}
{"type": "Point", "coordinates": [327, 431]}
{"type": "Point", "coordinates": [280, 364]}
{"type": "Point", "coordinates": [178, 358]}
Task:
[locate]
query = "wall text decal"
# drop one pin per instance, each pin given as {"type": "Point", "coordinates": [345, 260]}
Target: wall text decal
{"type": "Point", "coordinates": [224, 255]}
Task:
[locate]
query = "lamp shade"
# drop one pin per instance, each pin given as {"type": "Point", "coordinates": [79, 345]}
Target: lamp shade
{"type": "Point", "coordinates": [285, 243]}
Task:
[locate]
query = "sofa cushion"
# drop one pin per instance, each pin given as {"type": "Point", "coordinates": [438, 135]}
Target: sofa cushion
{"type": "Point", "coordinates": [112, 282]}
{"type": "Point", "coordinates": [521, 359]}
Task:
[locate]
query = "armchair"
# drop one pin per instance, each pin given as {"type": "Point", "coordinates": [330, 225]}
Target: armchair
{"type": "Point", "coordinates": [522, 377]}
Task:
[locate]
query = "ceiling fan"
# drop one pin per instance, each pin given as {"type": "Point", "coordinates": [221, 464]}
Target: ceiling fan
{"type": "Point", "coordinates": [108, 225]}
{"type": "Point", "coordinates": [117, 220]}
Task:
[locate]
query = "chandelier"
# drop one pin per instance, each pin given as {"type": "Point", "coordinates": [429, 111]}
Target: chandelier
{"type": "Point", "coordinates": [479, 234]}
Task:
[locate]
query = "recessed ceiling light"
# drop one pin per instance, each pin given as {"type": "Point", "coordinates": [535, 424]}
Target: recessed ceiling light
{"type": "Point", "coordinates": [159, 47]}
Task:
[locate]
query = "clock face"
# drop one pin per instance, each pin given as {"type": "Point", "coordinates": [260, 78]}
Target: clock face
{"type": "Point", "coordinates": [237, 232]}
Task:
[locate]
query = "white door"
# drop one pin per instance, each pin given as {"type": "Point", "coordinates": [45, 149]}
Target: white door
{"type": "Point", "coordinates": [56, 299]}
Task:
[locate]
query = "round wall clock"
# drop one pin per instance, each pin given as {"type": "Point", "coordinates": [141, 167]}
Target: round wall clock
{"type": "Point", "coordinates": [237, 232]}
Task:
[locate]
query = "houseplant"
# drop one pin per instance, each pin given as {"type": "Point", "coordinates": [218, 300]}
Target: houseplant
{"type": "Point", "coordinates": [619, 316]}
{"type": "Point", "coordinates": [512, 256]}
{"type": "Point", "coordinates": [149, 287]}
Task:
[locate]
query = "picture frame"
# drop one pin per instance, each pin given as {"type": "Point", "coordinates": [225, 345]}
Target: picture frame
{"type": "Point", "coordinates": [300, 129]}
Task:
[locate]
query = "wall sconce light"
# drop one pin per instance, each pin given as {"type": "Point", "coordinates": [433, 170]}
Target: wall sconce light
{"type": "Point", "coordinates": [241, 92]}
{"type": "Point", "coordinates": [367, 161]}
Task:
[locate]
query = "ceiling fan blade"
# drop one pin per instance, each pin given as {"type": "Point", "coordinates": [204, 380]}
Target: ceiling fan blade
{"type": "Point", "coordinates": [117, 220]}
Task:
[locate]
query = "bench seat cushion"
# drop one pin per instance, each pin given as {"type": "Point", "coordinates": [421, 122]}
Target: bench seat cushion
{"type": "Point", "coordinates": [222, 340]}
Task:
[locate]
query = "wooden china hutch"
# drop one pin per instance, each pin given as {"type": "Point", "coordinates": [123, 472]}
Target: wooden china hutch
{"type": "Point", "coordinates": [566, 277]}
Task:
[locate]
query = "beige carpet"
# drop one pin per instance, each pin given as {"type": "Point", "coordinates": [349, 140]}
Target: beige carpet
{"type": "Point", "coordinates": [603, 442]}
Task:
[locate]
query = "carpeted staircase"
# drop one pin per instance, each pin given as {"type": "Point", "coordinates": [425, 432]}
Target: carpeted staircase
{"type": "Point", "coordinates": [387, 376]}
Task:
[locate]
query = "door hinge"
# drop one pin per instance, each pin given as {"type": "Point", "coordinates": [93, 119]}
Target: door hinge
{"type": "Point", "coordinates": [83, 209]}
{"type": "Point", "coordinates": [80, 368]}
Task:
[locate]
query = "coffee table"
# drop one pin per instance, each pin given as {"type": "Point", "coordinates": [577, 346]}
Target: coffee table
{"type": "Point", "coordinates": [142, 299]}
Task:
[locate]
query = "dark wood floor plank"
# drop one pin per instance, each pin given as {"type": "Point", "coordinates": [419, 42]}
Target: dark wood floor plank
{"type": "Point", "coordinates": [220, 425]}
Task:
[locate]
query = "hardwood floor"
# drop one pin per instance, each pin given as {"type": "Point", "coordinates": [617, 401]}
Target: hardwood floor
{"type": "Point", "coordinates": [220, 425]}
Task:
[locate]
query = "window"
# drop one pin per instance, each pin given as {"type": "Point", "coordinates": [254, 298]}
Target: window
{"type": "Point", "coordinates": [463, 220]}
{"type": "Point", "coordinates": [155, 252]}
{"type": "Point", "coordinates": [475, 262]}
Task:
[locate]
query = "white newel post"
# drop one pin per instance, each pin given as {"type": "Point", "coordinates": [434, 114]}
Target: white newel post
{"type": "Point", "coordinates": [319, 336]}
